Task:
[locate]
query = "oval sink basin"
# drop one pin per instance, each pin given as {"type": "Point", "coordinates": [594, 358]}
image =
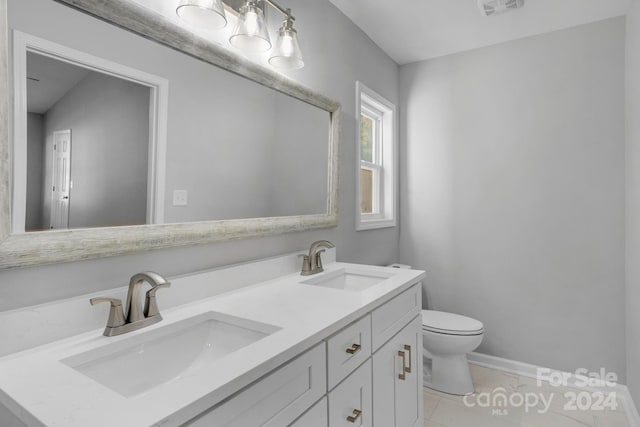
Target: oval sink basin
{"type": "Point", "coordinates": [350, 279]}
{"type": "Point", "coordinates": [133, 366]}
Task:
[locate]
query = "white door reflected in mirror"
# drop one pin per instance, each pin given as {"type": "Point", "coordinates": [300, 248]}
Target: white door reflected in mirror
{"type": "Point", "coordinates": [61, 179]}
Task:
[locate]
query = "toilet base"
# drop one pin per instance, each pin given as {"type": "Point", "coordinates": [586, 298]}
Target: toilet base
{"type": "Point", "coordinates": [449, 374]}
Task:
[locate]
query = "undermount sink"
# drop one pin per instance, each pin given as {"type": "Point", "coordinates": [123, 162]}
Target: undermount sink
{"type": "Point", "coordinates": [134, 366]}
{"type": "Point", "coordinates": [350, 279]}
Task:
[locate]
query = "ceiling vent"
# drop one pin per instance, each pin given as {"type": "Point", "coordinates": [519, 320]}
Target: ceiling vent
{"type": "Point", "coordinates": [493, 7]}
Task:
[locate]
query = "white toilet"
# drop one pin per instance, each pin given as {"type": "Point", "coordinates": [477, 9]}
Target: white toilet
{"type": "Point", "coordinates": [447, 338]}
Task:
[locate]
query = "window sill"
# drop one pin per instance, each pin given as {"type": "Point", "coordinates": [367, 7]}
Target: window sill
{"type": "Point", "coordinates": [373, 224]}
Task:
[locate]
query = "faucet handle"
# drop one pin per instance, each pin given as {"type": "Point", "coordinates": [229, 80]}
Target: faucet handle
{"type": "Point", "coordinates": [150, 302]}
{"type": "Point", "coordinates": [116, 315]}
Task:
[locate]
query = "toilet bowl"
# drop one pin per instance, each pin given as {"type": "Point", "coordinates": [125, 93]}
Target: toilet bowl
{"type": "Point", "coordinates": [447, 338]}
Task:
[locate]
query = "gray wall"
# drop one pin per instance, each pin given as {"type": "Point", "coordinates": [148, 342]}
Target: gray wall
{"type": "Point", "coordinates": [633, 201]}
{"type": "Point", "coordinates": [513, 193]}
{"type": "Point", "coordinates": [35, 164]}
{"type": "Point", "coordinates": [109, 122]}
{"type": "Point", "coordinates": [238, 147]}
{"type": "Point", "coordinates": [298, 184]}
{"type": "Point", "coordinates": [334, 61]}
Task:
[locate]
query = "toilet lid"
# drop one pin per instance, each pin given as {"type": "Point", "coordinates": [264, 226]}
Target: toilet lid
{"type": "Point", "coordinates": [449, 323]}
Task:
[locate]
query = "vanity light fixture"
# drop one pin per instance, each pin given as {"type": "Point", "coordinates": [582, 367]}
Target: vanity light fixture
{"type": "Point", "coordinates": [202, 13]}
{"type": "Point", "coordinates": [251, 33]}
{"type": "Point", "coordinates": [287, 53]}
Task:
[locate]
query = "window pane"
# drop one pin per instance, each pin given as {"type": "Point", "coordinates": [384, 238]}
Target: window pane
{"type": "Point", "coordinates": [366, 138]}
{"type": "Point", "coordinates": [366, 190]}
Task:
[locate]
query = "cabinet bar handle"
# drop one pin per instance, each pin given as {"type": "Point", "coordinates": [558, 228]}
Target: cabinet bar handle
{"type": "Point", "coordinates": [408, 348]}
{"type": "Point", "coordinates": [354, 349]}
{"type": "Point", "coordinates": [402, 375]}
{"type": "Point", "coordinates": [355, 416]}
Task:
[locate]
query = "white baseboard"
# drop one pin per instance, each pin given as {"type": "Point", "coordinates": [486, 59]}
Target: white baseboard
{"type": "Point", "coordinates": [531, 371]}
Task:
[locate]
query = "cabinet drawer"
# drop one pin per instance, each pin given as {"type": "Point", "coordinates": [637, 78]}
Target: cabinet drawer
{"type": "Point", "coordinates": [387, 320]}
{"type": "Point", "coordinates": [347, 349]}
{"type": "Point", "coordinates": [318, 416]}
{"type": "Point", "coordinates": [275, 400]}
{"type": "Point", "coordinates": [352, 399]}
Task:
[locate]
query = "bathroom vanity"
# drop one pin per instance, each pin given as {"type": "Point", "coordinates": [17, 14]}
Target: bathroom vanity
{"type": "Point", "coordinates": [338, 348]}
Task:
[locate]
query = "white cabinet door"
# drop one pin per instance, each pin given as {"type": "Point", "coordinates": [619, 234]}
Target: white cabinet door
{"type": "Point", "coordinates": [408, 391]}
{"type": "Point", "coordinates": [397, 379]}
{"type": "Point", "coordinates": [350, 402]}
{"type": "Point", "coordinates": [386, 366]}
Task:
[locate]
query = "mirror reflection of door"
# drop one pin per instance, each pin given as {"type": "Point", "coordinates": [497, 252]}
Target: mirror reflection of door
{"type": "Point", "coordinates": [61, 179]}
{"type": "Point", "coordinates": [101, 179]}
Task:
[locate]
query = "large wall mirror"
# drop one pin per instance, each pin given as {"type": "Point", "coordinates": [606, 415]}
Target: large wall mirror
{"type": "Point", "coordinates": [149, 137]}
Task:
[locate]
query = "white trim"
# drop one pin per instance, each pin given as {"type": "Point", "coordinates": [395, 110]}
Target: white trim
{"type": "Point", "coordinates": [574, 381]}
{"type": "Point", "coordinates": [158, 111]}
{"type": "Point", "coordinates": [158, 123]}
{"type": "Point", "coordinates": [389, 179]}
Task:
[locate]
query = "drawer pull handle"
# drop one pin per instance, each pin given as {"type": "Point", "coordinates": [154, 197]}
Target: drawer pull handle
{"type": "Point", "coordinates": [402, 375]}
{"type": "Point", "coordinates": [354, 349]}
{"type": "Point", "coordinates": [408, 348]}
{"type": "Point", "coordinates": [355, 416]}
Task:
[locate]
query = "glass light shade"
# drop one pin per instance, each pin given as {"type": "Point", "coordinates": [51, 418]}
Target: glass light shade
{"type": "Point", "coordinates": [287, 53]}
{"type": "Point", "coordinates": [251, 33]}
{"type": "Point", "coordinates": [205, 14]}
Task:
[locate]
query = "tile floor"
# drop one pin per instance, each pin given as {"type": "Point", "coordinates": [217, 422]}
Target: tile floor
{"type": "Point", "coordinates": [443, 410]}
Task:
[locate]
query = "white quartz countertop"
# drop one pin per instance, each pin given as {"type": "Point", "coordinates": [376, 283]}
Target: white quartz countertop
{"type": "Point", "coordinates": [41, 390]}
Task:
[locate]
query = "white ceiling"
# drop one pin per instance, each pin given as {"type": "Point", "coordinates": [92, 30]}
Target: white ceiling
{"type": "Point", "coordinates": [49, 80]}
{"type": "Point", "coordinates": [415, 30]}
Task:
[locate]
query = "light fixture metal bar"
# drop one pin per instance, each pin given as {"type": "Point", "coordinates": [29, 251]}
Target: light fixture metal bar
{"type": "Point", "coordinates": [286, 12]}
{"type": "Point", "coordinates": [234, 6]}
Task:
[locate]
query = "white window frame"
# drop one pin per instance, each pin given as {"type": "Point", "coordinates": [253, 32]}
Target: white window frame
{"type": "Point", "coordinates": [385, 159]}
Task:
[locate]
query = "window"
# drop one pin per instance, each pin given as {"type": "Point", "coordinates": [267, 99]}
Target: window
{"type": "Point", "coordinates": [377, 153]}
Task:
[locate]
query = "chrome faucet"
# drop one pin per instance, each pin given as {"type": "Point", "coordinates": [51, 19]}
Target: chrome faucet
{"type": "Point", "coordinates": [135, 316]}
{"type": "Point", "coordinates": [312, 263]}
